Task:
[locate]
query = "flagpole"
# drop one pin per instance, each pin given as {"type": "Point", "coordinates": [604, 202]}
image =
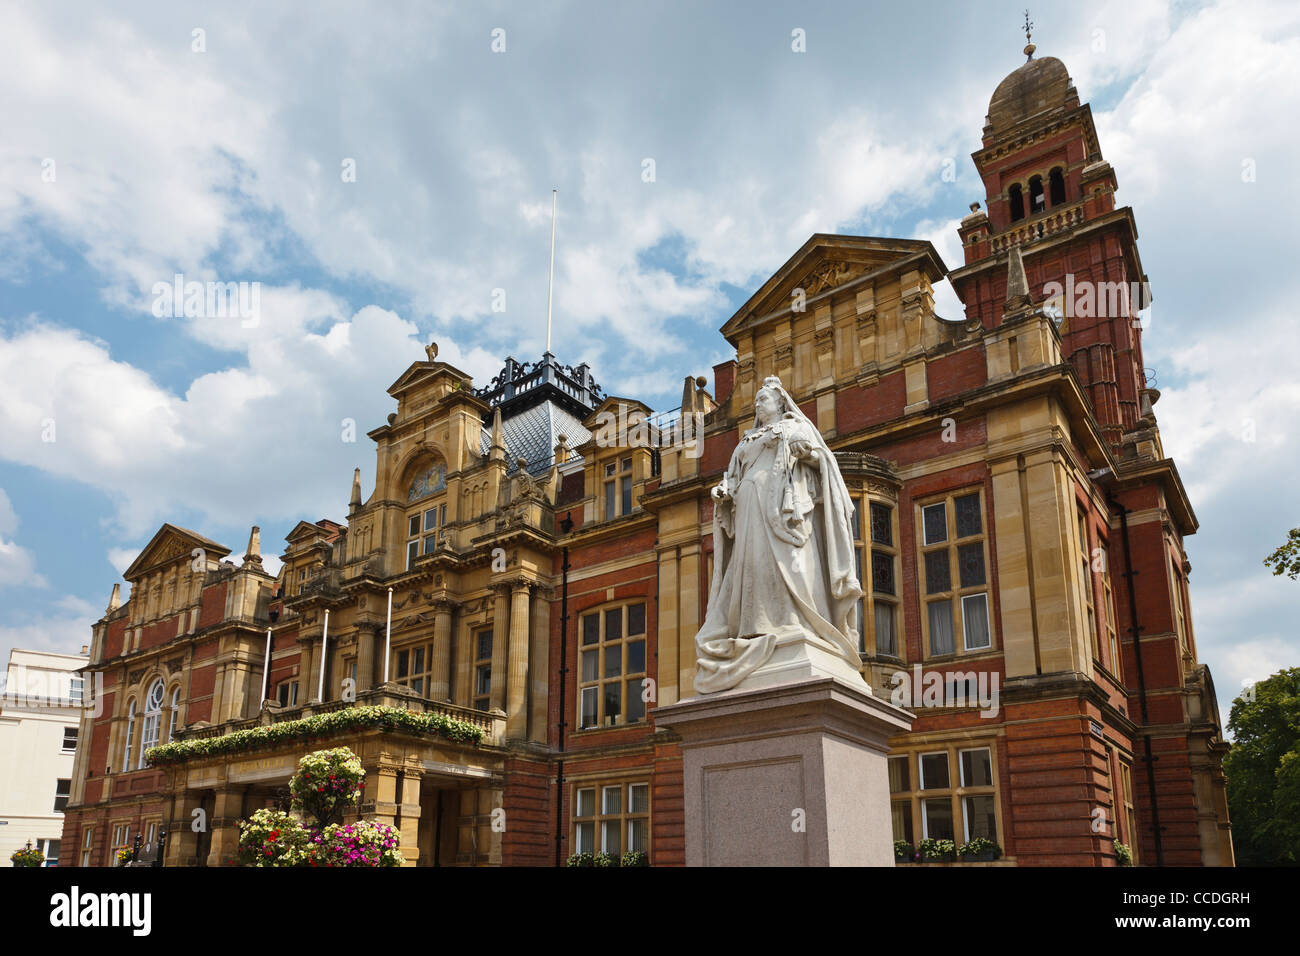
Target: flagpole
{"type": "Point", "coordinates": [324, 655]}
{"type": "Point", "coordinates": [550, 281]}
{"type": "Point", "coordinates": [266, 667]}
{"type": "Point", "coordinates": [388, 635]}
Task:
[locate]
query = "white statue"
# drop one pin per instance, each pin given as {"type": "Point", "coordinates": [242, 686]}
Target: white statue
{"type": "Point", "coordinates": [784, 572]}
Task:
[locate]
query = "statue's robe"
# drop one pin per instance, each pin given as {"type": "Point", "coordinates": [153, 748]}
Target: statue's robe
{"type": "Point", "coordinates": [784, 561]}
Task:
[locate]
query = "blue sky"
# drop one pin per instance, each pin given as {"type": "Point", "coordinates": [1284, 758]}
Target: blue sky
{"type": "Point", "coordinates": [219, 154]}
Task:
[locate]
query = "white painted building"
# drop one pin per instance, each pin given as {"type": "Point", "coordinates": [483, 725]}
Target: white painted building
{"type": "Point", "coordinates": [40, 712]}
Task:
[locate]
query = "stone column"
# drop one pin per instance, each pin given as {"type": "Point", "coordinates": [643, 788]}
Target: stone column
{"type": "Point", "coordinates": [440, 681]}
{"type": "Point", "coordinates": [517, 663]}
{"type": "Point", "coordinates": [465, 665]}
{"type": "Point", "coordinates": [182, 841]}
{"type": "Point", "coordinates": [689, 619]}
{"type": "Point", "coordinates": [409, 813]}
{"type": "Point", "coordinates": [226, 814]}
{"type": "Point", "coordinates": [366, 638]}
{"type": "Point", "coordinates": [500, 635]}
{"type": "Point", "coordinates": [539, 666]}
{"type": "Point", "coordinates": [386, 781]}
{"type": "Point", "coordinates": [309, 673]}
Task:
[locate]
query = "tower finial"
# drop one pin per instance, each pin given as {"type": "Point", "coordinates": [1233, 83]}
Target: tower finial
{"type": "Point", "coordinates": [1029, 45]}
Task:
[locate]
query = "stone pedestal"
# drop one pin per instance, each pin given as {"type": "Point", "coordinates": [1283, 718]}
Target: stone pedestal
{"type": "Point", "coordinates": [789, 774]}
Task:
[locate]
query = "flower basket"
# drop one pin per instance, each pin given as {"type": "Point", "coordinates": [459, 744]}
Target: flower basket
{"type": "Point", "coordinates": [272, 838]}
{"type": "Point", "coordinates": [1123, 854]}
{"type": "Point", "coordinates": [904, 852]}
{"type": "Point", "coordinates": [634, 858]}
{"type": "Point", "coordinates": [327, 783]}
{"type": "Point", "coordinates": [364, 843]}
{"type": "Point", "coordinates": [580, 859]}
{"type": "Point", "coordinates": [938, 851]}
{"type": "Point", "coordinates": [27, 856]}
{"type": "Point", "coordinates": [980, 850]}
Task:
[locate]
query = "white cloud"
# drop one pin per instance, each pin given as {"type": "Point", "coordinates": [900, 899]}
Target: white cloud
{"type": "Point", "coordinates": [17, 564]}
{"type": "Point", "coordinates": [122, 558]}
{"type": "Point", "coordinates": [63, 630]}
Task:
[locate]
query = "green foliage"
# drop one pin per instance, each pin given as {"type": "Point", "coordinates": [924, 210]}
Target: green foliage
{"type": "Point", "coordinates": [272, 838]}
{"type": "Point", "coordinates": [1263, 771]}
{"type": "Point", "coordinates": [979, 846]}
{"type": "Point", "coordinates": [326, 784]}
{"type": "Point", "coordinates": [1123, 853]}
{"type": "Point", "coordinates": [1286, 559]}
{"type": "Point", "coordinates": [364, 843]}
{"type": "Point", "coordinates": [26, 856]}
{"type": "Point", "coordinates": [938, 850]}
{"type": "Point", "coordinates": [600, 858]}
{"type": "Point", "coordinates": [315, 727]}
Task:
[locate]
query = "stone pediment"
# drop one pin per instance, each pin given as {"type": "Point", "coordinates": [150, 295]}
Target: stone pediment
{"type": "Point", "coordinates": [172, 544]}
{"type": "Point", "coordinates": [611, 406]}
{"type": "Point", "coordinates": [826, 262]}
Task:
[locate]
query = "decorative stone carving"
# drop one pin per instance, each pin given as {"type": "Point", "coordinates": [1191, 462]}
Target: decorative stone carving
{"type": "Point", "coordinates": [784, 578]}
{"type": "Point", "coordinates": [827, 276]}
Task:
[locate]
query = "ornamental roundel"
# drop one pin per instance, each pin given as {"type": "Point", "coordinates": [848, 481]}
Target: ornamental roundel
{"type": "Point", "coordinates": [429, 481]}
{"type": "Point", "coordinates": [154, 700]}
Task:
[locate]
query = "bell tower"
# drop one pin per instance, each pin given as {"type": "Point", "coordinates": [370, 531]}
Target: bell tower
{"type": "Point", "coordinates": [1049, 193]}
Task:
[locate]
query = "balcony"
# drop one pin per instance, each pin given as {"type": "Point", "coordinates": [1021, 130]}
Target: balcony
{"type": "Point", "coordinates": [1039, 226]}
{"type": "Point", "coordinates": [492, 726]}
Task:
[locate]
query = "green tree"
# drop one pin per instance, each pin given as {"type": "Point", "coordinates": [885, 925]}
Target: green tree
{"type": "Point", "coordinates": [1263, 772]}
{"type": "Point", "coordinates": [1286, 559]}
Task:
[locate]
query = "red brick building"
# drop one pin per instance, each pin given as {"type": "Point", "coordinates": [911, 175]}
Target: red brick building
{"type": "Point", "coordinates": [548, 552]}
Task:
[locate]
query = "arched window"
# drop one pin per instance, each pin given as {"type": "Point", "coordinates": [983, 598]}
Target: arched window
{"type": "Point", "coordinates": [1017, 202]}
{"type": "Point", "coordinates": [130, 738]}
{"type": "Point", "coordinates": [152, 719]}
{"type": "Point", "coordinates": [1056, 183]}
{"type": "Point", "coordinates": [1037, 202]}
{"type": "Point", "coordinates": [175, 714]}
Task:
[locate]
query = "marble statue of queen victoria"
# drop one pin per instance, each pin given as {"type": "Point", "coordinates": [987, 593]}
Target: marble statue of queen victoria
{"type": "Point", "coordinates": [784, 574]}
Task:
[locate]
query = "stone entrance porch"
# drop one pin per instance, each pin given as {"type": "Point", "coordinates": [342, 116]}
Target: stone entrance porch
{"type": "Point", "coordinates": [440, 794]}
